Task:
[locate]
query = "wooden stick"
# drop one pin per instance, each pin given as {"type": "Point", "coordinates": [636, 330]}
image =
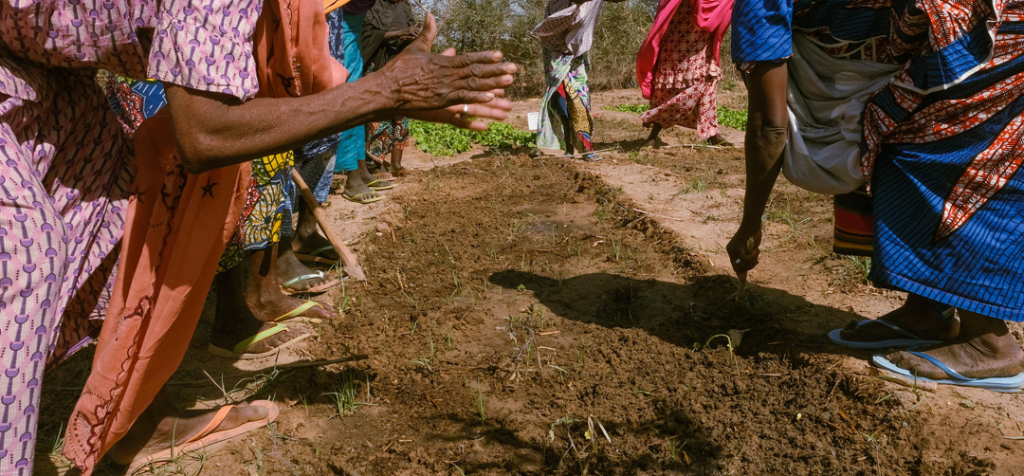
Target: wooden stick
{"type": "Point", "coordinates": [351, 267]}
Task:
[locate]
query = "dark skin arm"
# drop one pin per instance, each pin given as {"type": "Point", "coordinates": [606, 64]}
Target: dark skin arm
{"type": "Point", "coordinates": [767, 126]}
{"type": "Point", "coordinates": [215, 130]}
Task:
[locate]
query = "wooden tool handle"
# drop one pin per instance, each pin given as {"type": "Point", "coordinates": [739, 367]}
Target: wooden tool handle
{"type": "Point", "coordinates": [351, 264]}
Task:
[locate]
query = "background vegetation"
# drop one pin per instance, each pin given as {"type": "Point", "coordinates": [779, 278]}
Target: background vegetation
{"type": "Point", "coordinates": [475, 25]}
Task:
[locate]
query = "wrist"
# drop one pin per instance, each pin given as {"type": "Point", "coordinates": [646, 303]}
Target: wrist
{"type": "Point", "coordinates": [749, 226]}
{"type": "Point", "coordinates": [384, 93]}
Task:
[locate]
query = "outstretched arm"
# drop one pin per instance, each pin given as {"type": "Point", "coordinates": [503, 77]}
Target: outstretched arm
{"type": "Point", "coordinates": [214, 130]}
{"type": "Point", "coordinates": [767, 127]}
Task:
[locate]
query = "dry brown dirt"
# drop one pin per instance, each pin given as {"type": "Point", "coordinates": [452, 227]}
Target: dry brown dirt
{"type": "Point", "coordinates": [550, 316]}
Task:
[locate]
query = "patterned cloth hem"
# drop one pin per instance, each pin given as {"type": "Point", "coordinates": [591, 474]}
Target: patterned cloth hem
{"type": "Point", "coordinates": [891, 280]}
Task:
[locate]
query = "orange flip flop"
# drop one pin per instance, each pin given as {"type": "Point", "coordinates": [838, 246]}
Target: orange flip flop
{"type": "Point", "coordinates": [208, 436]}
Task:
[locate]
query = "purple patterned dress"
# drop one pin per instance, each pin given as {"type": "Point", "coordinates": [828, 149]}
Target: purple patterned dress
{"type": "Point", "coordinates": [66, 165]}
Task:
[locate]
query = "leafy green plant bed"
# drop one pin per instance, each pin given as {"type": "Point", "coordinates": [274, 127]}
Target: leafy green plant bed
{"type": "Point", "coordinates": [726, 117]}
{"type": "Point", "coordinates": [447, 140]}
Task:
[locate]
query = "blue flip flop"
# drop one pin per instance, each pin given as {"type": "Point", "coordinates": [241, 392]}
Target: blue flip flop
{"type": "Point", "coordinates": [908, 339]}
{"type": "Point", "coordinates": [996, 384]}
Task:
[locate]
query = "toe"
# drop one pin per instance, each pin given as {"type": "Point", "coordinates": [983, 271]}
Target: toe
{"type": "Point", "coordinates": [905, 361]}
{"type": "Point", "coordinates": [323, 312]}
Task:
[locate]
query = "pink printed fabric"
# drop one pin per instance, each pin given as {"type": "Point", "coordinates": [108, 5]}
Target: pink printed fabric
{"type": "Point", "coordinates": [686, 77]}
{"type": "Point", "coordinates": [66, 166]}
{"type": "Point", "coordinates": [708, 15]}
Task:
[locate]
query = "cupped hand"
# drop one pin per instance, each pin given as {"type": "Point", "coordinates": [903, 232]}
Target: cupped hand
{"type": "Point", "coordinates": [744, 248]}
{"type": "Point", "coordinates": [410, 33]}
{"type": "Point", "coordinates": [425, 85]}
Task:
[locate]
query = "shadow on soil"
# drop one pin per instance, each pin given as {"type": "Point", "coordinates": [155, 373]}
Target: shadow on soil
{"type": "Point", "coordinates": [779, 325]}
{"type": "Point", "coordinates": [685, 314]}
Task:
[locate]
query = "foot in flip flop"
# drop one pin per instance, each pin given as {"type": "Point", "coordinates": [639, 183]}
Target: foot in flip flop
{"type": "Point", "coordinates": [257, 346]}
{"type": "Point", "coordinates": [297, 278]}
{"type": "Point", "coordinates": [380, 185]}
{"type": "Point", "coordinates": [362, 198]}
{"type": "Point", "coordinates": [357, 191]}
{"type": "Point", "coordinates": [985, 355]}
{"type": "Point", "coordinates": [918, 322]}
{"type": "Point", "coordinates": [245, 341]}
{"type": "Point", "coordinates": [397, 171]}
{"type": "Point", "coordinates": [310, 245]}
{"type": "Point", "coordinates": [163, 427]}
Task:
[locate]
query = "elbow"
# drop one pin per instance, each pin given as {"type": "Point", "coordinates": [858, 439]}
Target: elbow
{"type": "Point", "coordinates": [196, 151]}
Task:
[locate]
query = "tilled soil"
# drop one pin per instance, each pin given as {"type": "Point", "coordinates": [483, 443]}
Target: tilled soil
{"type": "Point", "coordinates": [530, 316]}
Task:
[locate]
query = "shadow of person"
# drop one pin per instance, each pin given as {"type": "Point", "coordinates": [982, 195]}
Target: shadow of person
{"type": "Point", "coordinates": [685, 314]}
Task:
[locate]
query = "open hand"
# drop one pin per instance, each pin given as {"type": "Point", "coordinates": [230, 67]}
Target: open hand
{"type": "Point", "coordinates": [410, 33]}
{"type": "Point", "coordinates": [433, 87]}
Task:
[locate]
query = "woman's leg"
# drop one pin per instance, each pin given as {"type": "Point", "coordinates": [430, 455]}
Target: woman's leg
{"type": "Point", "coordinates": [351, 160]}
{"type": "Point", "coordinates": [765, 140]}
{"type": "Point", "coordinates": [61, 215]}
{"type": "Point", "coordinates": [577, 103]}
{"type": "Point", "coordinates": [33, 254]}
{"type": "Point", "coordinates": [249, 298]}
{"type": "Point", "coordinates": [396, 159]}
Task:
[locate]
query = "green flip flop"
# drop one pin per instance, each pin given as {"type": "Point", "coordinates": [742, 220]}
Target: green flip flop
{"type": "Point", "coordinates": [381, 188]}
{"type": "Point", "coordinates": [356, 198]}
{"type": "Point", "coordinates": [239, 351]}
{"type": "Point", "coordinates": [297, 313]}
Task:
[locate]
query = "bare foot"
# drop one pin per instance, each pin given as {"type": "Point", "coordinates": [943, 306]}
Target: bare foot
{"type": "Point", "coordinates": [985, 348]}
{"type": "Point", "coordinates": [917, 316]}
{"type": "Point", "coordinates": [162, 426]}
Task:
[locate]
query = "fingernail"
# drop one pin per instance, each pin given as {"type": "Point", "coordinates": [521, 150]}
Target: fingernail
{"type": "Point", "coordinates": [490, 95]}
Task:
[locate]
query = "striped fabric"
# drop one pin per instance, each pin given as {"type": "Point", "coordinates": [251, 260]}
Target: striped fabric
{"type": "Point", "coordinates": [761, 31]}
{"type": "Point", "coordinates": [949, 203]}
{"type": "Point", "coordinates": [853, 224]}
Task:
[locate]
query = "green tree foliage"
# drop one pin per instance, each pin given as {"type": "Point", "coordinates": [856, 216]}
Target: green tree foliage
{"type": "Point", "coordinates": [478, 25]}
